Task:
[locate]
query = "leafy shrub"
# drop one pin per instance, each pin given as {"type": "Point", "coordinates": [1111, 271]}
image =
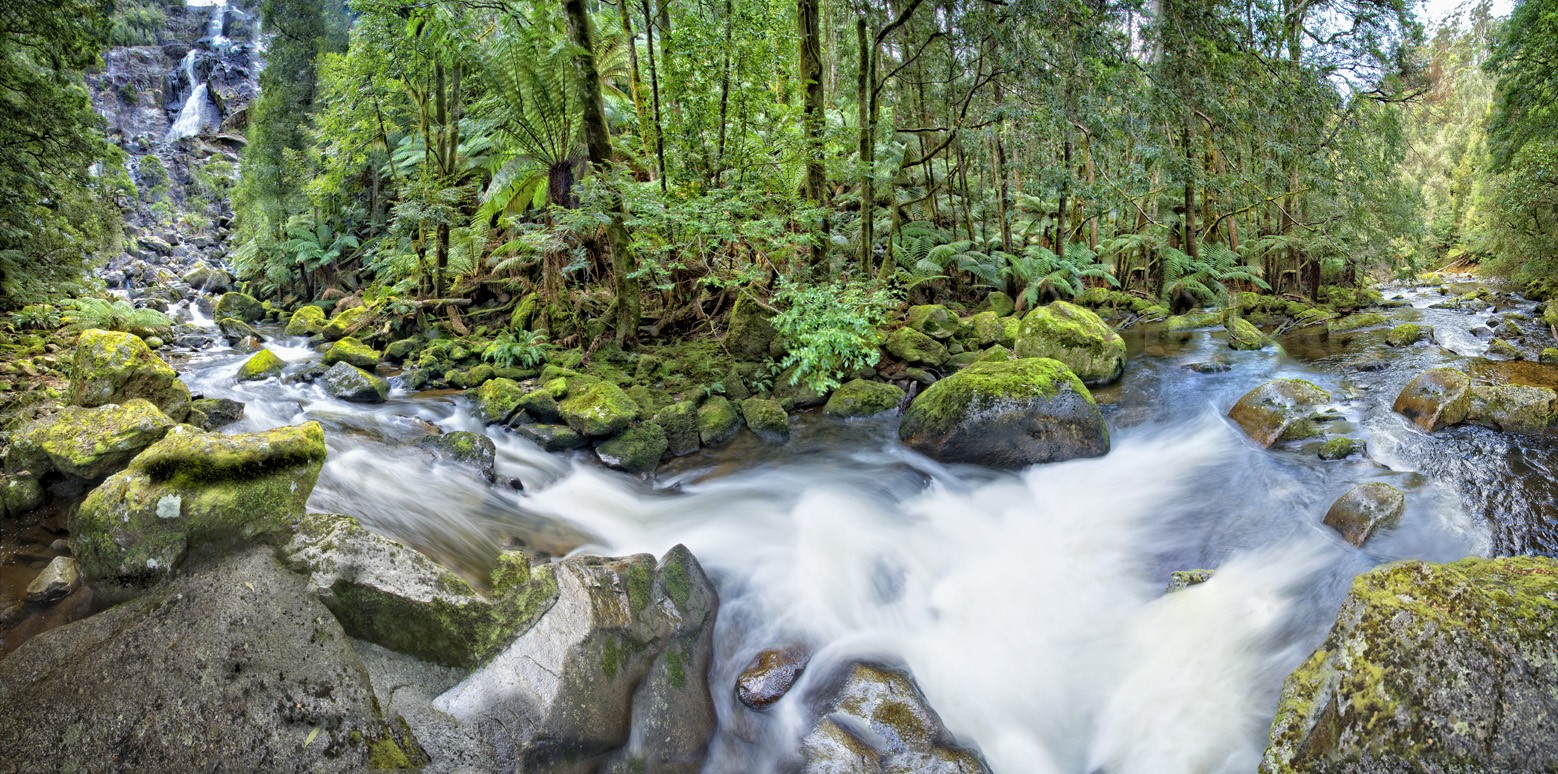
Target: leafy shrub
{"type": "Point", "coordinates": [831, 329]}
{"type": "Point", "coordinates": [115, 315]}
{"type": "Point", "coordinates": [528, 351]}
{"type": "Point", "coordinates": [36, 317]}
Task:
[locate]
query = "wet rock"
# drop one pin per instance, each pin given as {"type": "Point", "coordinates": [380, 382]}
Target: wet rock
{"type": "Point", "coordinates": [1365, 509]}
{"type": "Point", "coordinates": [751, 329]}
{"type": "Point", "coordinates": [679, 421]}
{"type": "Point", "coordinates": [1356, 322]}
{"type": "Point", "coordinates": [20, 494]}
{"type": "Point", "coordinates": [1340, 448]}
{"type": "Point", "coordinates": [346, 322]}
{"type": "Point", "coordinates": [933, 320]}
{"type": "Point", "coordinates": [1193, 321]}
{"type": "Point", "coordinates": [239, 306]}
{"type": "Point", "coordinates": [915, 348]}
{"type": "Point", "coordinates": [1512, 408]}
{"type": "Point", "coordinates": [1243, 335]}
{"type": "Point", "coordinates": [87, 443]}
{"type": "Point", "coordinates": [861, 398]}
{"type": "Point", "coordinates": [207, 278]}
{"type": "Point", "coordinates": [388, 594]}
{"type": "Point", "coordinates": [194, 489]}
{"type": "Point", "coordinates": [770, 674]}
{"type": "Point", "coordinates": [1549, 356]}
{"type": "Point", "coordinates": [1007, 414]}
{"type": "Point", "coordinates": [1409, 334]}
{"type": "Point", "coordinates": [1429, 667]}
{"type": "Point", "coordinates": [637, 450]}
{"type": "Point", "coordinates": [262, 365]}
{"type": "Point", "coordinates": [1279, 410]}
{"type": "Point", "coordinates": [463, 447]}
{"type": "Point", "coordinates": [540, 406]}
{"type": "Point", "coordinates": [597, 409]}
{"type": "Point", "coordinates": [1211, 367]}
{"type": "Point", "coordinates": [1500, 349]}
{"type": "Point", "coordinates": [718, 421]}
{"type": "Point", "coordinates": [214, 413]}
{"type": "Point", "coordinates": [240, 639]}
{"type": "Point", "coordinates": [402, 349]}
{"type": "Point", "coordinates": [1076, 337]}
{"type": "Point", "coordinates": [350, 383]}
{"type": "Point", "coordinates": [552, 437]}
{"type": "Point", "coordinates": [878, 721]}
{"type": "Point", "coordinates": [57, 581]}
{"type": "Point", "coordinates": [621, 655]}
{"type": "Point", "coordinates": [498, 399]}
{"type": "Point", "coordinates": [306, 321]}
{"type": "Point", "coordinates": [1481, 332]}
{"type": "Point", "coordinates": [113, 367]}
{"type": "Point", "coordinates": [1180, 580]}
{"type": "Point", "coordinates": [766, 418]}
{"type": "Point", "coordinates": [350, 350]}
{"type": "Point", "coordinates": [1435, 399]}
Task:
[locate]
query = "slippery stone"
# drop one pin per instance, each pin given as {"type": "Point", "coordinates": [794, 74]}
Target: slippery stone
{"type": "Point", "coordinates": [306, 321]}
{"type": "Point", "coordinates": [345, 323]}
{"type": "Point", "coordinates": [552, 437]}
{"type": "Point", "coordinates": [1243, 335]}
{"type": "Point", "coordinates": [262, 365]}
{"type": "Point", "coordinates": [498, 399]}
{"type": "Point", "coordinates": [1076, 337]}
{"type": "Point", "coordinates": [1408, 334]}
{"type": "Point", "coordinates": [350, 383]}
{"type": "Point", "coordinates": [637, 449]}
{"type": "Point", "coordinates": [113, 367]}
{"type": "Point", "coordinates": [878, 721]}
{"type": "Point", "coordinates": [350, 350]}
{"type": "Point", "coordinates": [770, 675]}
{"type": "Point", "coordinates": [1435, 399]}
{"type": "Point", "coordinates": [679, 421]}
{"type": "Point", "coordinates": [88, 443]}
{"type": "Point", "coordinates": [597, 409]}
{"type": "Point", "coordinates": [214, 413]}
{"type": "Point", "coordinates": [1279, 410]}
{"type": "Point", "coordinates": [57, 581]}
{"type": "Point", "coordinates": [20, 494]}
{"type": "Point", "coordinates": [462, 447]}
{"type": "Point", "coordinates": [1365, 509]}
{"type": "Point", "coordinates": [1513, 408]}
{"type": "Point", "coordinates": [861, 398]}
{"type": "Point", "coordinates": [1356, 322]}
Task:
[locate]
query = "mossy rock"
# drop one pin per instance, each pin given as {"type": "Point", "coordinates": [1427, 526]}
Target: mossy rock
{"type": "Point", "coordinates": [350, 350]}
{"type": "Point", "coordinates": [679, 422]}
{"type": "Point", "coordinates": [471, 378]}
{"type": "Point", "coordinates": [213, 413]}
{"type": "Point", "coordinates": [1435, 399]}
{"type": "Point", "coordinates": [915, 348]}
{"type": "Point", "coordinates": [793, 393]}
{"type": "Point", "coordinates": [751, 330]}
{"type": "Point", "coordinates": [1193, 321]}
{"type": "Point", "coordinates": [861, 398]}
{"type": "Point", "coordinates": [552, 437]}
{"type": "Point", "coordinates": [20, 494]}
{"type": "Point", "coordinates": [524, 313]}
{"type": "Point", "coordinates": [194, 489]}
{"type": "Point", "coordinates": [1180, 580]}
{"type": "Point", "coordinates": [1000, 303]}
{"type": "Point", "coordinates": [1500, 349]}
{"type": "Point", "coordinates": [260, 366]}
{"type": "Point", "coordinates": [1279, 410]}
{"type": "Point", "coordinates": [1429, 667]}
{"type": "Point", "coordinates": [238, 330]}
{"type": "Point", "coordinates": [996, 354]}
{"type": "Point", "coordinates": [596, 408]}
{"type": "Point", "coordinates": [1549, 356]}
{"type": "Point", "coordinates": [402, 350]}
{"type": "Point", "coordinates": [987, 330]}
{"type": "Point", "coordinates": [350, 383]}
{"type": "Point", "coordinates": [113, 367]}
{"type": "Point", "coordinates": [1243, 335]}
{"type": "Point", "coordinates": [539, 406]}
{"type": "Point", "coordinates": [637, 450]}
{"type": "Point", "coordinates": [766, 418]}
{"type": "Point", "coordinates": [346, 323]}
{"type": "Point", "coordinates": [306, 321]}
{"type": "Point", "coordinates": [718, 421]}
{"type": "Point", "coordinates": [498, 399]}
{"type": "Point", "coordinates": [88, 443]}
{"type": "Point", "coordinates": [1007, 414]}
{"type": "Point", "coordinates": [239, 306]}
{"type": "Point", "coordinates": [933, 320]}
{"type": "Point", "coordinates": [1356, 322]}
{"type": "Point", "coordinates": [1513, 408]}
{"type": "Point", "coordinates": [463, 447]}
{"type": "Point", "coordinates": [1365, 509]}
{"type": "Point", "coordinates": [1408, 334]}
{"type": "Point", "coordinates": [1340, 448]}
{"type": "Point", "coordinates": [1076, 337]}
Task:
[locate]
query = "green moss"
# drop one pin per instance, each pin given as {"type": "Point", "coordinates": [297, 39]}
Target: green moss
{"type": "Point", "coordinates": [610, 657]}
{"type": "Point", "coordinates": [1339, 448]}
{"type": "Point", "coordinates": [766, 418]}
{"type": "Point", "coordinates": [1243, 335]}
{"type": "Point", "coordinates": [386, 754]}
{"type": "Point", "coordinates": [637, 450]}
{"type": "Point", "coordinates": [1192, 321]}
{"type": "Point", "coordinates": [986, 385]}
{"type": "Point", "coordinates": [346, 322]}
{"type": "Point", "coordinates": [1407, 335]}
{"type": "Point", "coordinates": [498, 399]}
{"type": "Point", "coordinates": [640, 577]}
{"type": "Point", "coordinates": [676, 667]}
{"type": "Point", "coordinates": [675, 576]}
{"type": "Point", "coordinates": [306, 321]}
{"type": "Point", "coordinates": [350, 350]}
{"type": "Point", "coordinates": [717, 421]}
{"type": "Point", "coordinates": [475, 376]}
{"type": "Point", "coordinates": [933, 320]}
{"type": "Point", "coordinates": [187, 456]}
{"type": "Point", "coordinates": [862, 398]}
{"type": "Point", "coordinates": [262, 365]}
{"type": "Point", "coordinates": [240, 307]}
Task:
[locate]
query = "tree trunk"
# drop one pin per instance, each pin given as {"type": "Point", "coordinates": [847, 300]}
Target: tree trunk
{"type": "Point", "coordinates": [867, 145]}
{"type": "Point", "coordinates": [654, 87]}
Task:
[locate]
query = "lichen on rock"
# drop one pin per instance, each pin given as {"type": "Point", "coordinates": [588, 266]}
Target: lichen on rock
{"type": "Point", "coordinates": [1076, 337]}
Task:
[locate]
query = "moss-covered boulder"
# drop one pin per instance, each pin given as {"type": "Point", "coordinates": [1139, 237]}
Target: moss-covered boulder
{"type": "Point", "coordinates": [306, 321]}
{"type": "Point", "coordinates": [1340, 448]}
{"type": "Point", "coordinates": [239, 306]}
{"type": "Point", "coordinates": [1429, 667]}
{"type": "Point", "coordinates": [195, 489]}
{"type": "Point", "coordinates": [1435, 399]}
{"type": "Point", "coordinates": [1365, 509]}
{"type": "Point", "coordinates": [596, 408]}
{"type": "Point", "coordinates": [463, 447]}
{"type": "Point", "coordinates": [346, 323]}
{"type": "Point", "coordinates": [1279, 410]}
{"type": "Point", "coordinates": [385, 593]}
{"type": "Point", "coordinates": [1499, 349]}
{"type": "Point", "coordinates": [88, 443]}
{"type": "Point", "coordinates": [260, 366]}
{"type": "Point", "coordinates": [751, 330]}
{"type": "Point", "coordinates": [350, 350]}
{"type": "Point", "coordinates": [718, 421]}
{"type": "Point", "coordinates": [933, 320]}
{"type": "Point", "coordinates": [1076, 337]}
{"type": "Point", "coordinates": [471, 378]}
{"type": "Point", "coordinates": [1408, 334]}
{"type": "Point", "coordinates": [498, 399]}
{"type": "Point", "coordinates": [113, 367]}
{"type": "Point", "coordinates": [637, 449]}
{"type": "Point", "coordinates": [1007, 414]}
{"type": "Point", "coordinates": [552, 437]}
{"type": "Point", "coordinates": [1000, 303]}
{"type": "Point", "coordinates": [540, 406]}
{"type": "Point", "coordinates": [915, 348]}
{"type": "Point", "coordinates": [1193, 321]}
{"type": "Point", "coordinates": [1513, 408]}
{"type": "Point", "coordinates": [1548, 356]}
{"type": "Point", "coordinates": [987, 330]}
{"type": "Point", "coordinates": [20, 494]}
{"type": "Point", "coordinates": [1356, 322]}
{"type": "Point", "coordinates": [350, 383]}
{"type": "Point", "coordinates": [679, 421]}
{"type": "Point", "coordinates": [861, 398]}
{"type": "Point", "coordinates": [1243, 335]}
{"type": "Point", "coordinates": [766, 418]}
{"type": "Point", "coordinates": [402, 350]}
{"type": "Point", "coordinates": [214, 413]}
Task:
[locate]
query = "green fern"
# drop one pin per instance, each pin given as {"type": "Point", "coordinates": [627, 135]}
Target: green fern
{"type": "Point", "coordinates": [117, 315]}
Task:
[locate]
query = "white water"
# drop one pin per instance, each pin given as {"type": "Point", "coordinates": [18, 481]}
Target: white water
{"type": "Point", "coordinates": [198, 111]}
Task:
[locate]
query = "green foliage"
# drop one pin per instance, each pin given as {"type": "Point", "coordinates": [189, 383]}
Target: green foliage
{"type": "Point", "coordinates": [528, 350]}
{"type": "Point", "coordinates": [136, 22]}
{"type": "Point", "coordinates": [36, 317]}
{"type": "Point", "coordinates": [1040, 274]}
{"type": "Point", "coordinates": [831, 329]}
{"type": "Point", "coordinates": [116, 315]}
{"type": "Point", "coordinates": [1205, 278]}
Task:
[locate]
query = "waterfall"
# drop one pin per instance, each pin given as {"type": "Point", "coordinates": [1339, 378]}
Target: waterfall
{"type": "Point", "coordinates": [198, 111]}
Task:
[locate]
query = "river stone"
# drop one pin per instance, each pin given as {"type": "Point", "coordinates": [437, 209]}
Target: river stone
{"type": "Point", "coordinates": [1435, 399]}
{"type": "Point", "coordinates": [498, 399]}
{"type": "Point", "coordinates": [207, 278]}
{"type": "Point", "coordinates": [237, 330]}
{"type": "Point", "coordinates": [915, 348]}
{"type": "Point", "coordinates": [239, 306]}
{"type": "Point", "coordinates": [1243, 335]}
{"type": "Point", "coordinates": [306, 321]}
{"type": "Point", "coordinates": [1180, 580]}
{"type": "Point", "coordinates": [195, 490]}
{"type": "Point", "coordinates": [1409, 334]}
{"type": "Point", "coordinates": [1193, 320]}
{"type": "Point", "coordinates": [861, 398]}
{"type": "Point", "coordinates": [751, 330]}
{"type": "Point", "coordinates": [987, 330]}
{"type": "Point", "coordinates": [57, 581]}
{"type": "Point", "coordinates": [718, 421]}
{"type": "Point", "coordinates": [260, 366]}
{"type": "Point", "coordinates": [20, 494]}
{"type": "Point", "coordinates": [1007, 414]}
{"type": "Point", "coordinates": [622, 654]}
{"type": "Point", "coordinates": [552, 437]}
{"type": "Point", "coordinates": [1512, 408]}
{"type": "Point", "coordinates": [1364, 509]}
{"type": "Point", "coordinates": [1340, 448]}
{"type": "Point", "coordinates": [1429, 667]}
{"type": "Point", "coordinates": [1356, 322]}
{"type": "Point", "coordinates": [1500, 349]}
{"type": "Point", "coordinates": [597, 409]}
{"type": "Point", "coordinates": [113, 367]}
{"type": "Point", "coordinates": [350, 383]}
{"type": "Point", "coordinates": [766, 418]}
{"type": "Point", "coordinates": [388, 594]}
{"type": "Point", "coordinates": [933, 320]}
{"type": "Point", "coordinates": [770, 675]}
{"type": "Point", "coordinates": [680, 423]}
{"type": "Point", "coordinates": [345, 323]}
{"type": "Point", "coordinates": [214, 413]}
{"type": "Point", "coordinates": [1279, 410]}
{"type": "Point", "coordinates": [637, 450]}
{"type": "Point", "coordinates": [233, 667]}
{"type": "Point", "coordinates": [878, 721]}
{"type": "Point", "coordinates": [462, 447]}
{"type": "Point", "coordinates": [1076, 337]}
{"type": "Point", "coordinates": [88, 443]}
{"type": "Point", "coordinates": [350, 350]}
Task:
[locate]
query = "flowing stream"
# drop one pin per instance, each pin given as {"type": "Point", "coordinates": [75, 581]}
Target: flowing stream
{"type": "Point", "coordinates": [1029, 606]}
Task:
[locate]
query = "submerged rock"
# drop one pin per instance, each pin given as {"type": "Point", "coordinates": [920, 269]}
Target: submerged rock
{"type": "Point", "coordinates": [1076, 337]}
{"type": "Point", "coordinates": [88, 443]}
{"type": "Point", "coordinates": [1340, 448]}
{"type": "Point", "coordinates": [1180, 580]}
{"type": "Point", "coordinates": [113, 367]}
{"type": "Point", "coordinates": [878, 721]}
{"type": "Point", "coordinates": [1429, 667]}
{"type": "Point", "coordinates": [1007, 414]}
{"type": "Point", "coordinates": [234, 666]}
{"type": "Point", "coordinates": [1502, 350]}
{"type": "Point", "coordinates": [350, 383]}
{"type": "Point", "coordinates": [463, 447]}
{"type": "Point", "coordinates": [262, 365]}
{"type": "Point", "coordinates": [770, 675]}
{"type": "Point", "coordinates": [1513, 408]}
{"type": "Point", "coordinates": [1279, 410]}
{"type": "Point", "coordinates": [1365, 509]}
{"type": "Point", "coordinates": [861, 398]}
{"type": "Point", "coordinates": [1435, 399]}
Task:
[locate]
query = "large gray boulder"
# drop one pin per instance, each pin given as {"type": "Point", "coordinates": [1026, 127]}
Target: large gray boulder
{"type": "Point", "coordinates": [1429, 667]}
{"type": "Point", "coordinates": [233, 666]}
{"type": "Point", "coordinates": [622, 654]}
{"type": "Point", "coordinates": [878, 721]}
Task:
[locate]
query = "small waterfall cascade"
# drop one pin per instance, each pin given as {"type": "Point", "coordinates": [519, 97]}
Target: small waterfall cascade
{"type": "Point", "coordinates": [199, 111]}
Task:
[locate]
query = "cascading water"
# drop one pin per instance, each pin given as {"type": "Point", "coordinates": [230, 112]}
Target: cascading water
{"type": "Point", "coordinates": [1029, 606]}
{"type": "Point", "coordinates": [198, 111]}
